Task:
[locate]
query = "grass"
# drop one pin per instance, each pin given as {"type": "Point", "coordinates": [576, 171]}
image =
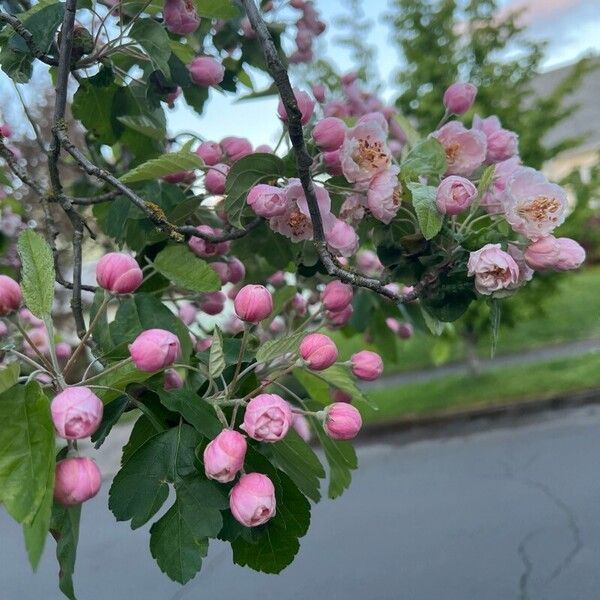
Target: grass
{"type": "Point", "coordinates": [500, 385]}
{"type": "Point", "coordinates": [571, 314]}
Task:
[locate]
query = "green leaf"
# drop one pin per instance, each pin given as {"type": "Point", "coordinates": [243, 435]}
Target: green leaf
{"type": "Point", "coordinates": [296, 458]}
{"type": "Point", "coordinates": [43, 25]}
{"type": "Point", "coordinates": [429, 217]}
{"type": "Point", "coordinates": [140, 488]}
{"type": "Point", "coordinates": [183, 160]}
{"type": "Point", "coordinates": [153, 38]}
{"type": "Point", "coordinates": [281, 298]}
{"type": "Point", "coordinates": [9, 376]}
{"type": "Point", "coordinates": [486, 180]}
{"type": "Point", "coordinates": [111, 415]}
{"type": "Point", "coordinates": [271, 349]}
{"type": "Point", "coordinates": [37, 273]}
{"type": "Point", "coordinates": [336, 376]}
{"type": "Point", "coordinates": [186, 270]}
{"type": "Point", "coordinates": [17, 65]}
{"type": "Point", "coordinates": [27, 443]}
{"type": "Point", "coordinates": [65, 529]}
{"type": "Point", "coordinates": [435, 327]}
{"type": "Point", "coordinates": [244, 174]}
{"type": "Point", "coordinates": [179, 539]}
{"type": "Point", "coordinates": [145, 125]}
{"type": "Point", "coordinates": [196, 411]}
{"type": "Point", "coordinates": [101, 332]}
{"type": "Point", "coordinates": [216, 363]}
{"type": "Point", "coordinates": [216, 9]}
{"type": "Point", "coordinates": [426, 158]}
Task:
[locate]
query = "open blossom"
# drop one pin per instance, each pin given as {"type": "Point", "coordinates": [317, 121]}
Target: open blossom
{"type": "Point", "coordinates": [295, 222]}
{"type": "Point", "coordinates": [556, 254]}
{"type": "Point", "coordinates": [180, 16]}
{"type": "Point", "coordinates": [267, 200]}
{"type": "Point", "coordinates": [494, 198]}
{"type": "Point", "coordinates": [502, 144]}
{"type": "Point", "coordinates": [534, 207]}
{"type": "Point", "coordinates": [465, 148]}
{"type": "Point", "coordinates": [454, 195]}
{"type": "Point", "coordinates": [368, 262]}
{"type": "Point", "coordinates": [224, 456]}
{"type": "Point", "coordinates": [384, 194]}
{"type": "Point", "coordinates": [305, 103]}
{"type": "Point", "coordinates": [459, 97]}
{"type": "Point", "coordinates": [267, 418]}
{"type": "Point", "coordinates": [340, 237]}
{"type": "Point", "coordinates": [252, 500]}
{"type": "Point", "coordinates": [352, 210]}
{"type": "Point", "coordinates": [364, 152]}
{"type": "Point", "coordinates": [495, 271]}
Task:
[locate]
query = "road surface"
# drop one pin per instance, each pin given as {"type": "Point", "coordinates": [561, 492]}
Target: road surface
{"type": "Point", "coordinates": [511, 511]}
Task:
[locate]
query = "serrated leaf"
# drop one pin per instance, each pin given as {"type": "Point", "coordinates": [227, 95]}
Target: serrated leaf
{"type": "Point", "coordinates": [37, 273]}
{"type": "Point", "coordinates": [183, 160]}
{"type": "Point", "coordinates": [154, 39]}
{"type": "Point", "coordinates": [196, 411]}
{"type": "Point", "coordinates": [216, 362]}
{"type": "Point", "coordinates": [244, 174]}
{"type": "Point", "coordinates": [216, 9]}
{"type": "Point", "coordinates": [186, 270]}
{"type": "Point", "coordinates": [426, 158]}
{"type": "Point", "coordinates": [145, 125]}
{"type": "Point", "coordinates": [429, 217]}
{"type": "Point", "coordinates": [65, 529]}
{"type": "Point", "coordinates": [271, 349]}
{"type": "Point", "coordinates": [27, 443]}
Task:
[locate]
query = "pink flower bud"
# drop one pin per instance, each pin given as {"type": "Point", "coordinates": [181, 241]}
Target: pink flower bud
{"type": "Point", "coordinates": [172, 96]}
{"type": "Point", "coordinates": [188, 313]}
{"type": "Point", "coordinates": [180, 16]}
{"type": "Point", "coordinates": [252, 500]}
{"type": "Point", "coordinates": [368, 262]}
{"type": "Point", "coordinates": [247, 29]}
{"type": "Point", "coordinates": [212, 303]}
{"type": "Point", "coordinates": [154, 349]}
{"type": "Point", "coordinates": [204, 248]}
{"type": "Point", "coordinates": [63, 350]}
{"type": "Point", "coordinates": [342, 421]}
{"type": "Point", "coordinates": [305, 104]}
{"type": "Point", "coordinates": [454, 195]}
{"type": "Point", "coordinates": [277, 325]}
{"type": "Point", "coordinates": [338, 395]}
{"type": "Point", "coordinates": [336, 295]}
{"type": "Point", "coordinates": [5, 131]}
{"type": "Point", "coordinates": [557, 254]}
{"type": "Point", "coordinates": [405, 331]}
{"type": "Point", "coordinates": [224, 456]}
{"type": "Point", "coordinates": [118, 273]}
{"type": "Point", "coordinates": [206, 71]}
{"type": "Point", "coordinates": [318, 90]}
{"type": "Point", "coordinates": [267, 418]}
{"type": "Point", "coordinates": [222, 271]}
{"type": "Point", "coordinates": [264, 149]}
{"type": "Point", "coordinates": [340, 317]}
{"type": "Point", "coordinates": [267, 200]}
{"type": "Point", "coordinates": [203, 344]}
{"type": "Point", "coordinates": [39, 338]}
{"type": "Point", "coordinates": [301, 427]}
{"type": "Point", "coordinates": [173, 380]}
{"type": "Point", "coordinates": [299, 304]}
{"type": "Point", "coordinates": [253, 303]}
{"type": "Point", "coordinates": [237, 271]}
{"type": "Point", "coordinates": [341, 237]}
{"type": "Point", "coordinates": [332, 161]}
{"type": "Point", "coordinates": [10, 295]}
{"type": "Point", "coordinates": [277, 279]}
{"type": "Point", "coordinates": [459, 98]}
{"type": "Point", "coordinates": [209, 152]}
{"type": "Point", "coordinates": [329, 133]}
{"type": "Point", "coordinates": [26, 315]}
{"type": "Point", "coordinates": [318, 351]}
{"type": "Point", "coordinates": [76, 480]}
{"type": "Point", "coordinates": [367, 365]}
{"type": "Point", "coordinates": [76, 413]}
{"type": "Point", "coordinates": [216, 178]}
{"type": "Point", "coordinates": [236, 147]}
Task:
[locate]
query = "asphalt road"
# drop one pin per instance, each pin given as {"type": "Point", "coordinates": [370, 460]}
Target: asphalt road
{"type": "Point", "coordinates": [511, 511]}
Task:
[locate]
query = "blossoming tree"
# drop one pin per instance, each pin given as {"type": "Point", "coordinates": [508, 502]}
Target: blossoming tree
{"type": "Point", "coordinates": [358, 227]}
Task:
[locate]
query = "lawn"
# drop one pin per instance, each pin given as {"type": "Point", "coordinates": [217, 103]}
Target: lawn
{"type": "Point", "coordinates": [505, 384]}
{"type": "Point", "coordinates": [572, 313]}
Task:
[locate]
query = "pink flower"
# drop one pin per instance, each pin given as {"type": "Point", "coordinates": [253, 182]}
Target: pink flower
{"type": "Point", "coordinates": [305, 103]}
{"type": "Point", "coordinates": [63, 350]}
{"type": "Point", "coordinates": [340, 317]}
{"type": "Point", "coordinates": [76, 413]}
{"type": "Point", "coordinates": [76, 480]}
{"type": "Point", "coordinates": [465, 149]}
{"type": "Point", "coordinates": [454, 195]}
{"type": "Point", "coordinates": [188, 313]}
{"type": "Point", "coordinates": [375, 118]}
{"type": "Point", "coordinates": [533, 205]}
{"type": "Point", "coordinates": [459, 98]}
{"type": "Point", "coordinates": [222, 271]}
{"type": "Point", "coordinates": [301, 426]}
{"type": "Point", "coordinates": [332, 161]}
{"type": "Point", "coordinates": [368, 262]}
{"type": "Point", "coordinates": [252, 500]}
{"type": "Point", "coordinates": [224, 456]}
{"type": "Point", "coordinates": [154, 349]}
{"type": "Point", "coordinates": [180, 16]}
{"type": "Point", "coordinates": [494, 270]}
{"type": "Point", "coordinates": [204, 248]}
{"type": "Point", "coordinates": [3, 329]}
{"type": "Point", "coordinates": [352, 210]}
{"type": "Point", "coordinates": [364, 152]}
{"type": "Point", "coordinates": [341, 237]}
{"type": "Point", "coordinates": [318, 90]}
{"type": "Point", "coordinates": [236, 147]}
{"type": "Point", "coordinates": [212, 303]}
{"type": "Point", "coordinates": [209, 152]}
{"type": "Point", "coordinates": [525, 272]}
{"type": "Point", "coordinates": [203, 344]}
{"type": "Point", "coordinates": [329, 133]}
{"type": "Point", "coordinates": [253, 303]}
{"type": "Point", "coordinates": [216, 178]}
{"type": "Point", "coordinates": [264, 149]}
{"type": "Point", "coordinates": [494, 198]}
{"type": "Point", "coordinates": [5, 131]}
{"type": "Point", "coordinates": [318, 351]}
{"type": "Point", "coordinates": [366, 365]}
{"type": "Point", "coordinates": [267, 200]}
{"type": "Point", "coordinates": [267, 418]}
{"type": "Point", "coordinates": [557, 254]}
{"type": "Point", "coordinates": [277, 279]}
{"type": "Point", "coordinates": [26, 315]}
{"type": "Point", "coordinates": [10, 295]}
{"type": "Point", "coordinates": [342, 421]}
{"type": "Point", "coordinates": [336, 108]}
{"type": "Point", "coordinates": [277, 325]}
{"type": "Point", "coordinates": [206, 71]}
{"type": "Point", "coordinates": [502, 144]}
{"type": "Point", "coordinates": [173, 380]}
{"type": "Point", "coordinates": [384, 195]}
{"type": "Point", "coordinates": [118, 273]}
{"type": "Point", "coordinates": [336, 295]}
{"type": "Point", "coordinates": [39, 338]}
{"type": "Point", "coordinates": [299, 304]}
{"type": "Point", "coordinates": [237, 270]}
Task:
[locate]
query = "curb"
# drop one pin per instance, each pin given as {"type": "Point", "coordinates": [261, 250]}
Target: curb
{"type": "Point", "coordinates": [493, 412]}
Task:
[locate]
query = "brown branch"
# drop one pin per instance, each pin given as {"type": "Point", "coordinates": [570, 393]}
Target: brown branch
{"type": "Point", "coordinates": [21, 30]}
{"type": "Point", "coordinates": [99, 199]}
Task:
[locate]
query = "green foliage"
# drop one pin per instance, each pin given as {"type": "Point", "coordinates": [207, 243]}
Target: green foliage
{"type": "Point", "coordinates": [423, 199]}
{"type": "Point", "coordinates": [425, 158]}
{"type": "Point", "coordinates": [37, 273]}
{"type": "Point", "coordinates": [216, 363]}
{"type": "Point", "coordinates": [272, 349]}
{"type": "Point", "coordinates": [65, 529]}
{"type": "Point", "coordinates": [182, 160]}
{"type": "Point", "coordinates": [184, 269]}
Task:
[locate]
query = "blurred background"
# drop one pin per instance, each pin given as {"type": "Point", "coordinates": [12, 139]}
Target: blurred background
{"type": "Point", "coordinates": [482, 493]}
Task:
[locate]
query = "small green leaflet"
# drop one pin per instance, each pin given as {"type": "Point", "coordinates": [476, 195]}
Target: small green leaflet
{"type": "Point", "coordinates": [278, 347]}
{"type": "Point", "coordinates": [216, 363]}
{"type": "Point", "coordinates": [429, 217]}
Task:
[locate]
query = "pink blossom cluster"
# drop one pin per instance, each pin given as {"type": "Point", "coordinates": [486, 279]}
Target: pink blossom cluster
{"type": "Point", "coordinates": [308, 27]}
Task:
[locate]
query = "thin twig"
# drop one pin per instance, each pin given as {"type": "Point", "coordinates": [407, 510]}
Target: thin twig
{"type": "Point", "coordinates": [19, 171]}
{"type": "Point", "coordinates": [20, 29]}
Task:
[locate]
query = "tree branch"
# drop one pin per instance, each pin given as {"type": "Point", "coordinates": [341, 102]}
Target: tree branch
{"type": "Point", "coordinates": [20, 29]}
{"type": "Point", "coordinates": [19, 171]}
